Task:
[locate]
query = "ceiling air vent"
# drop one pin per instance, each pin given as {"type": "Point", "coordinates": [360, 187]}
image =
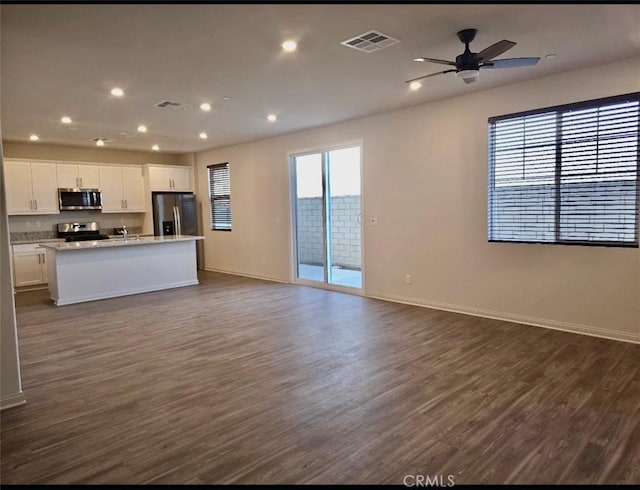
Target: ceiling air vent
{"type": "Point", "coordinates": [370, 41]}
{"type": "Point", "coordinates": [168, 103]}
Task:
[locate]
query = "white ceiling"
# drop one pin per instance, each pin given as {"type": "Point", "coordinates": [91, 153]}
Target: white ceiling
{"type": "Point", "coordinates": [63, 60]}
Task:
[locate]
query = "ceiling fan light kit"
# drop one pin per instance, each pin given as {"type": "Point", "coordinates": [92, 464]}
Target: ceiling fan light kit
{"type": "Point", "coordinates": [467, 74]}
{"type": "Point", "coordinates": [468, 64]}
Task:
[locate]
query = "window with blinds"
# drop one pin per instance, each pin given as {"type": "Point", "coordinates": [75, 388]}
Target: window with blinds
{"type": "Point", "coordinates": [567, 174]}
{"type": "Point", "coordinates": [220, 196]}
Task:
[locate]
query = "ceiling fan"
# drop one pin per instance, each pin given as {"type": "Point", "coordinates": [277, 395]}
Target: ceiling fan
{"type": "Point", "coordinates": [467, 65]}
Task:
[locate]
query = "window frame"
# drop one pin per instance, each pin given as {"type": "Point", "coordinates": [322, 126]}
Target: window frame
{"type": "Point", "coordinates": [559, 109]}
{"type": "Point", "coordinates": [219, 197]}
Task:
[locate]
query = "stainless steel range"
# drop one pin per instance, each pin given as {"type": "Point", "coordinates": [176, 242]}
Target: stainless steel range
{"type": "Point", "coordinates": [77, 232]}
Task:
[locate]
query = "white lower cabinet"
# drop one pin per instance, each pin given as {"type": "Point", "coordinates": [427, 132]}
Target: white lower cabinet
{"type": "Point", "coordinates": [29, 265]}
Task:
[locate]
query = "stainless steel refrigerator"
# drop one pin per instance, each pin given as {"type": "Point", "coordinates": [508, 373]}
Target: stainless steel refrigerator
{"type": "Point", "coordinates": [174, 213]}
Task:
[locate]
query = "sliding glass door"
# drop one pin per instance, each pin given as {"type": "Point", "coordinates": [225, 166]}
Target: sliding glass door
{"type": "Point", "coordinates": [328, 216]}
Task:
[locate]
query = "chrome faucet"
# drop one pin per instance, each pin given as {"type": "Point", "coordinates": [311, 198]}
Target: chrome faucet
{"type": "Point", "coordinates": [125, 233]}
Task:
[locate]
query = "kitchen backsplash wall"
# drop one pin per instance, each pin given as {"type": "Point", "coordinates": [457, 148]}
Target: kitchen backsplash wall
{"type": "Point", "coordinates": [46, 223]}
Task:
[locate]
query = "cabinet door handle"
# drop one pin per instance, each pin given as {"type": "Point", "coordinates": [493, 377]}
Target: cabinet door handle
{"type": "Point", "coordinates": [126, 204]}
{"type": "Point", "coordinates": [39, 257]}
{"type": "Point", "coordinates": [44, 258]}
{"type": "Point", "coordinates": [36, 201]}
{"type": "Point", "coordinates": [80, 181]}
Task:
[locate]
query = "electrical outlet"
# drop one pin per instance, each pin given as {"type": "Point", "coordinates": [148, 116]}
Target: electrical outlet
{"type": "Point", "coordinates": [38, 224]}
{"type": "Point", "coordinates": [374, 221]}
{"type": "Point", "coordinates": [27, 224]}
{"type": "Point", "coordinates": [407, 279]}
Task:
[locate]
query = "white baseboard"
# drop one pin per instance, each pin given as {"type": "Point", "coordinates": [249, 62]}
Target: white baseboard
{"type": "Point", "coordinates": [509, 317]}
{"type": "Point", "coordinates": [116, 294]}
{"type": "Point", "coordinates": [14, 400]}
{"type": "Point", "coordinates": [244, 274]}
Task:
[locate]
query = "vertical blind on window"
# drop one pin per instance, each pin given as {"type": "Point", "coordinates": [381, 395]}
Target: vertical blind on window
{"type": "Point", "coordinates": [220, 196]}
{"type": "Point", "coordinates": [566, 174]}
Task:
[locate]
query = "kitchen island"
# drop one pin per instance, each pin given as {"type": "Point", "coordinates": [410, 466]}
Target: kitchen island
{"type": "Point", "coordinates": [90, 270]}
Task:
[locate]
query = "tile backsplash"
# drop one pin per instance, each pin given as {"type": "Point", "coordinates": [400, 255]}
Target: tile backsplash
{"type": "Point", "coordinates": [45, 225]}
{"type": "Point", "coordinates": [19, 236]}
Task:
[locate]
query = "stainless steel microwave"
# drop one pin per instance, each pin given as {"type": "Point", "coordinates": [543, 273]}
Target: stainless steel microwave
{"type": "Point", "coordinates": [79, 199]}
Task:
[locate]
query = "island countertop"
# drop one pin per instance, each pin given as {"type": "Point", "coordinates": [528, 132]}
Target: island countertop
{"type": "Point", "coordinates": [119, 242]}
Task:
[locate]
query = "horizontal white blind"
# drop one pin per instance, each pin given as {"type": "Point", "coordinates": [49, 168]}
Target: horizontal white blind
{"type": "Point", "coordinates": [567, 174]}
{"type": "Point", "coordinates": [220, 196]}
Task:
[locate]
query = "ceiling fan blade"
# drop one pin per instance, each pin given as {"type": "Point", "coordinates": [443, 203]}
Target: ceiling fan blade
{"type": "Point", "coordinates": [434, 60]}
{"type": "Point", "coordinates": [511, 63]}
{"type": "Point", "coordinates": [429, 75]}
{"type": "Point", "coordinates": [495, 50]}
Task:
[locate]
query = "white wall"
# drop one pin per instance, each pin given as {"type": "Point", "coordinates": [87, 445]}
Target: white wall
{"type": "Point", "coordinates": [10, 383]}
{"type": "Point", "coordinates": [425, 179]}
{"type": "Point", "coordinates": [45, 151]}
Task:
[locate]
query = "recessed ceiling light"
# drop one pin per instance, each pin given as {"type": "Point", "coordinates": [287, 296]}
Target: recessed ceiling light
{"type": "Point", "coordinates": [66, 120]}
{"type": "Point", "coordinates": [203, 136]}
{"type": "Point", "coordinates": [289, 46]}
{"type": "Point", "coordinates": [205, 106]}
{"type": "Point", "coordinates": [419, 60]}
{"type": "Point", "coordinates": [272, 117]}
{"type": "Point", "coordinates": [415, 85]}
{"type": "Point", "coordinates": [34, 137]}
{"type": "Point", "coordinates": [226, 97]}
{"type": "Point", "coordinates": [155, 148]}
{"type": "Point", "coordinates": [117, 91]}
{"type": "Point", "coordinates": [142, 128]}
{"type": "Point", "coordinates": [100, 143]}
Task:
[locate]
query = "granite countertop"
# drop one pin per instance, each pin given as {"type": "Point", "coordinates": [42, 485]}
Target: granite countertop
{"type": "Point", "coordinates": [119, 242]}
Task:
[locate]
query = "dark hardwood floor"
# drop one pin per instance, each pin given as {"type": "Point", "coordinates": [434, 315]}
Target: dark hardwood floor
{"type": "Point", "coordinates": [248, 381]}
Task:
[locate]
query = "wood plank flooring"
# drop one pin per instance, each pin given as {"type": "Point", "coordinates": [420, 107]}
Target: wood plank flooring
{"type": "Point", "coordinates": [245, 381]}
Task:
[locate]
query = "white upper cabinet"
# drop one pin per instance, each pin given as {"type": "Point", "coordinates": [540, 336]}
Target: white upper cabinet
{"type": "Point", "coordinates": [18, 183]}
{"type": "Point", "coordinates": [72, 176]}
{"type": "Point", "coordinates": [170, 178]}
{"type": "Point", "coordinates": [122, 189]}
{"type": "Point", "coordinates": [111, 187]}
{"type": "Point", "coordinates": [181, 179]}
{"type": "Point", "coordinates": [32, 188]}
{"type": "Point", "coordinates": [133, 189]}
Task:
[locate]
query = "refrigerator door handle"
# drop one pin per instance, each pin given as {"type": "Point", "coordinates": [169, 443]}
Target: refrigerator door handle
{"type": "Point", "coordinates": [179, 222]}
{"type": "Point", "coordinates": [175, 221]}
